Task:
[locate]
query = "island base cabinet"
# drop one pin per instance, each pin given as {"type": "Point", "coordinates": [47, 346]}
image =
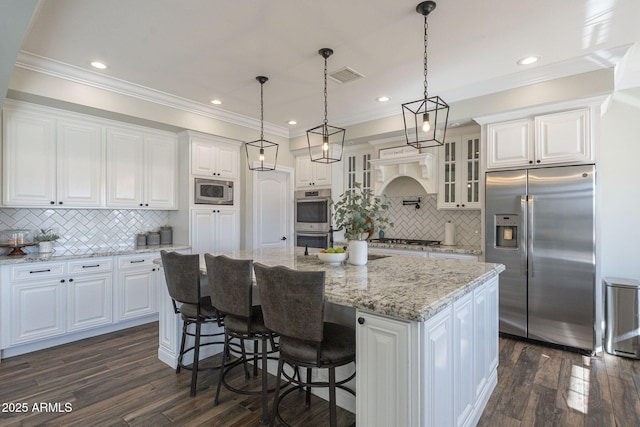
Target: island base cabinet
{"type": "Point", "coordinates": [386, 379]}
{"type": "Point", "coordinates": [440, 372]}
{"type": "Point", "coordinates": [137, 286]}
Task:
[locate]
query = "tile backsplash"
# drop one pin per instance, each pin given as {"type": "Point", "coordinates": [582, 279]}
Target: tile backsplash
{"type": "Point", "coordinates": [427, 223]}
{"type": "Point", "coordinates": [81, 230]}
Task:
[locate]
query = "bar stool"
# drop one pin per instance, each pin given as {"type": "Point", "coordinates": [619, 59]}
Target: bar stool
{"type": "Point", "coordinates": [230, 284]}
{"type": "Point", "coordinates": [293, 307]}
{"type": "Point", "coordinates": [182, 274]}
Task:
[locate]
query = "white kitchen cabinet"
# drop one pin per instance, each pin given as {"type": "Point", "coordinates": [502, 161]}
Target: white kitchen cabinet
{"type": "Point", "coordinates": [214, 230]}
{"type": "Point", "coordinates": [558, 138]}
{"type": "Point", "coordinates": [358, 169]}
{"type": "Point", "coordinates": [385, 370]}
{"type": "Point", "coordinates": [212, 157]}
{"type": "Point", "coordinates": [51, 159]}
{"type": "Point", "coordinates": [137, 286]}
{"type": "Point", "coordinates": [460, 173]}
{"type": "Point", "coordinates": [446, 365]}
{"type": "Point", "coordinates": [312, 174]}
{"type": "Point", "coordinates": [141, 169]}
{"type": "Point", "coordinates": [50, 299]}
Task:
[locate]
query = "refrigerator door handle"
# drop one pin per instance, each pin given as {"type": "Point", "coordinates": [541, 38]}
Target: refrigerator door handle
{"type": "Point", "coordinates": [530, 232]}
{"type": "Point", "coordinates": [523, 236]}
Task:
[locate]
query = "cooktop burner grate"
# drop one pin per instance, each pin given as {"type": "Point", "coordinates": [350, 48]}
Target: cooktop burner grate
{"type": "Point", "coordinates": [406, 241]}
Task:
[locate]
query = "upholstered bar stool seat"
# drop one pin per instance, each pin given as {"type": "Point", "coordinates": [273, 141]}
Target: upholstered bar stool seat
{"type": "Point", "coordinates": [182, 274]}
{"type": "Point", "coordinates": [231, 283]}
{"type": "Point", "coordinates": [293, 306]}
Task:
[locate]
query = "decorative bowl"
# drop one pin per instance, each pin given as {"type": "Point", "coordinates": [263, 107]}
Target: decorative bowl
{"type": "Point", "coordinates": [332, 258]}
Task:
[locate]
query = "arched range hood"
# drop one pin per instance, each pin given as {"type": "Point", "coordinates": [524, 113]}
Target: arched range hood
{"type": "Point", "coordinates": [420, 167]}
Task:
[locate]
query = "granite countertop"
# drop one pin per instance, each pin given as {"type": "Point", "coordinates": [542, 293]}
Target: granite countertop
{"type": "Point", "coordinates": [403, 287]}
{"type": "Point", "coordinates": [456, 249]}
{"type": "Point", "coordinates": [68, 255]}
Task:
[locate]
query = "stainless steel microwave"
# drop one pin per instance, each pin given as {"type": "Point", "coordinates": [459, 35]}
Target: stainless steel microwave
{"type": "Point", "coordinates": [213, 192]}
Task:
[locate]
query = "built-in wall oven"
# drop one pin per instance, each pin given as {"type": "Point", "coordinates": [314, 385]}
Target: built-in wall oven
{"type": "Point", "coordinates": [313, 218]}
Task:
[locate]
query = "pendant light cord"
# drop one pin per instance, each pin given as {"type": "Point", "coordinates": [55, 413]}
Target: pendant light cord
{"type": "Point", "coordinates": [426, 41]}
{"type": "Point", "coordinates": [261, 114]}
{"type": "Point", "coordinates": [325, 90]}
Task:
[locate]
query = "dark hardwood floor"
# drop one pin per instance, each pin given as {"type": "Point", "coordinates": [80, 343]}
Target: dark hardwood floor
{"type": "Point", "coordinates": [117, 380]}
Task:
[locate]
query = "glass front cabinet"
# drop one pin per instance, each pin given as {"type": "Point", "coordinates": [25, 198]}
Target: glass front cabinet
{"type": "Point", "coordinates": [460, 173]}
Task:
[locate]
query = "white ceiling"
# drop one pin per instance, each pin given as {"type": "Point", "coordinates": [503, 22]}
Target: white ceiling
{"type": "Point", "coordinates": [204, 49]}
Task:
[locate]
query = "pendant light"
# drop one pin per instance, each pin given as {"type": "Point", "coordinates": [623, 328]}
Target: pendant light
{"type": "Point", "coordinates": [326, 142]}
{"type": "Point", "coordinates": [425, 120]}
{"type": "Point", "coordinates": [261, 154]}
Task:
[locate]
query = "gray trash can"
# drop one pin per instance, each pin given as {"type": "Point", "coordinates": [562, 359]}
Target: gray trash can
{"type": "Point", "coordinates": [622, 317]}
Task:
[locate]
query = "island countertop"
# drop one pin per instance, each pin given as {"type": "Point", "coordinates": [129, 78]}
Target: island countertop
{"type": "Point", "coordinates": [396, 286]}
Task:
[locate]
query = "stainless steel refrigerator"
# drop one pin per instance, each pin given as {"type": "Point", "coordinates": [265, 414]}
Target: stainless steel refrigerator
{"type": "Point", "coordinates": [540, 223]}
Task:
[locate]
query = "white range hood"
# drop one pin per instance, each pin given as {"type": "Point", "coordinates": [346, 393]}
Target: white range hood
{"type": "Point", "coordinates": [420, 167]}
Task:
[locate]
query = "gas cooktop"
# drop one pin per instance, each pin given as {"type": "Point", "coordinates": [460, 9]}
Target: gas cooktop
{"type": "Point", "coordinates": [406, 241]}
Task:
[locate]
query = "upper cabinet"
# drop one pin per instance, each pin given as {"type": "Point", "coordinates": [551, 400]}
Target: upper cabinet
{"type": "Point", "coordinates": [51, 160]}
{"type": "Point", "coordinates": [213, 158]}
{"type": "Point", "coordinates": [460, 173]}
{"type": "Point", "coordinates": [141, 169]}
{"type": "Point", "coordinates": [358, 169]}
{"type": "Point", "coordinates": [563, 137]}
{"type": "Point", "coordinates": [312, 174]}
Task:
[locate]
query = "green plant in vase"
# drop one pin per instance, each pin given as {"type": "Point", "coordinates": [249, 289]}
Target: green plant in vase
{"type": "Point", "coordinates": [359, 213]}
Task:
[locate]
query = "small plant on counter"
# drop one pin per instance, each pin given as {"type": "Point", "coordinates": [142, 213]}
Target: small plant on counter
{"type": "Point", "coordinates": [45, 235]}
{"type": "Point", "coordinates": [359, 213]}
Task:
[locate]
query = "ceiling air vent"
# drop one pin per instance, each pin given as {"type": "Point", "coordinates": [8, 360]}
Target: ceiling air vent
{"type": "Point", "coordinates": [345, 75]}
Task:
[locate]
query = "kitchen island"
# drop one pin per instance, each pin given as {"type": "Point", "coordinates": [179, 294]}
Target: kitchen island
{"type": "Point", "coordinates": [426, 334]}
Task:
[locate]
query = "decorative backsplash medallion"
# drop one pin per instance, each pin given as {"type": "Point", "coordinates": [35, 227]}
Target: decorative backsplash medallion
{"type": "Point", "coordinates": [427, 223]}
{"type": "Point", "coordinates": [82, 230]}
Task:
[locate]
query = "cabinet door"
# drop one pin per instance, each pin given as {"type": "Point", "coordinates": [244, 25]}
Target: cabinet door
{"type": "Point", "coordinates": [227, 161]}
{"type": "Point", "coordinates": [38, 310]}
{"type": "Point", "coordinates": [470, 159]}
{"type": "Point", "coordinates": [322, 174]}
{"type": "Point", "coordinates": [203, 230]}
{"type": "Point", "coordinates": [449, 175]}
{"type": "Point", "coordinates": [510, 144]}
{"type": "Point", "coordinates": [137, 292]}
{"type": "Point", "coordinates": [358, 169]}
{"type": "Point", "coordinates": [384, 381]}
{"type": "Point", "coordinates": [125, 155]}
{"type": "Point", "coordinates": [438, 375]}
{"type": "Point", "coordinates": [464, 357]}
{"type": "Point", "coordinates": [310, 173]}
{"type": "Point", "coordinates": [227, 226]}
{"type": "Point", "coordinates": [89, 301]}
{"type": "Point", "coordinates": [80, 164]}
{"type": "Point", "coordinates": [563, 137]}
{"type": "Point", "coordinates": [160, 168]}
{"type": "Point", "coordinates": [29, 177]}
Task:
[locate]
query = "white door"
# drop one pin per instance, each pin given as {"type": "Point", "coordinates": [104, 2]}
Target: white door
{"type": "Point", "coordinates": [273, 206]}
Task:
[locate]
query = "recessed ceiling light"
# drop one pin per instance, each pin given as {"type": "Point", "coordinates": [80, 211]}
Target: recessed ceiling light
{"type": "Point", "coordinates": [292, 122]}
{"type": "Point", "coordinates": [382, 98]}
{"type": "Point", "coordinates": [216, 102]}
{"type": "Point", "coordinates": [528, 60]}
{"type": "Point", "coordinates": [99, 65]}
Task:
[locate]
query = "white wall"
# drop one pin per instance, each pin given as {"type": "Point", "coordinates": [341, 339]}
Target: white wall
{"type": "Point", "coordinates": [618, 179]}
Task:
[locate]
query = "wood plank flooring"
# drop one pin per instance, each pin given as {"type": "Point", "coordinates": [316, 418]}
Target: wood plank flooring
{"type": "Point", "coordinates": [117, 380]}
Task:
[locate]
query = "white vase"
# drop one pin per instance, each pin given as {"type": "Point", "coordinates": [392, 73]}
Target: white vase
{"type": "Point", "coordinates": [358, 252]}
{"type": "Point", "coordinates": [45, 247]}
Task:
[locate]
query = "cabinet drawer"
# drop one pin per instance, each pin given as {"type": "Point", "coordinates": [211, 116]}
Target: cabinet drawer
{"type": "Point", "coordinates": [136, 261]}
{"type": "Point", "coordinates": [90, 265]}
{"type": "Point", "coordinates": [37, 270]}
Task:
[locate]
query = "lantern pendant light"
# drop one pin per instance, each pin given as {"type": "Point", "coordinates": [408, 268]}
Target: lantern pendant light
{"type": "Point", "coordinates": [326, 142]}
{"type": "Point", "coordinates": [425, 120]}
{"type": "Point", "coordinates": [261, 154]}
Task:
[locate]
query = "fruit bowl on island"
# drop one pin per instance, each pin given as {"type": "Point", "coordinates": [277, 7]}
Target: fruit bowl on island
{"type": "Point", "coordinates": [332, 256]}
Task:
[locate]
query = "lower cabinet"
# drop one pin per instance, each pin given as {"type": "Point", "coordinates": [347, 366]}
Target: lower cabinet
{"type": "Point", "coordinates": [44, 300]}
{"type": "Point", "coordinates": [446, 365]}
{"type": "Point", "coordinates": [137, 286]}
{"type": "Point", "coordinates": [215, 230]}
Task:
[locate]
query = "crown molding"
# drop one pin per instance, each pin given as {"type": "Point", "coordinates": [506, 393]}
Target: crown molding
{"type": "Point", "coordinates": [61, 70]}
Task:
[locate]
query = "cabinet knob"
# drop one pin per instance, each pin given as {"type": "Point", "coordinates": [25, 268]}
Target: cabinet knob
{"type": "Point", "coordinates": [62, 281]}
{"type": "Point", "coordinates": [146, 204]}
{"type": "Point", "coordinates": [537, 161]}
{"type": "Point", "coordinates": [361, 320]}
{"type": "Point", "coordinates": [59, 203]}
{"type": "Point", "coordinates": [530, 162]}
{"type": "Point", "coordinates": [70, 280]}
{"type": "Point", "coordinates": [52, 202]}
{"type": "Point", "coordinates": [140, 204]}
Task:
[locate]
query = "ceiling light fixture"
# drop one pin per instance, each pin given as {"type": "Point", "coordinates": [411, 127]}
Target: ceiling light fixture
{"type": "Point", "coordinates": [382, 99]}
{"type": "Point", "coordinates": [528, 60]}
{"type": "Point", "coordinates": [216, 102]}
{"type": "Point", "coordinates": [292, 122]}
{"type": "Point", "coordinates": [326, 142]}
{"type": "Point", "coordinates": [99, 65]}
{"type": "Point", "coordinates": [422, 126]}
{"type": "Point", "coordinates": [261, 154]}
